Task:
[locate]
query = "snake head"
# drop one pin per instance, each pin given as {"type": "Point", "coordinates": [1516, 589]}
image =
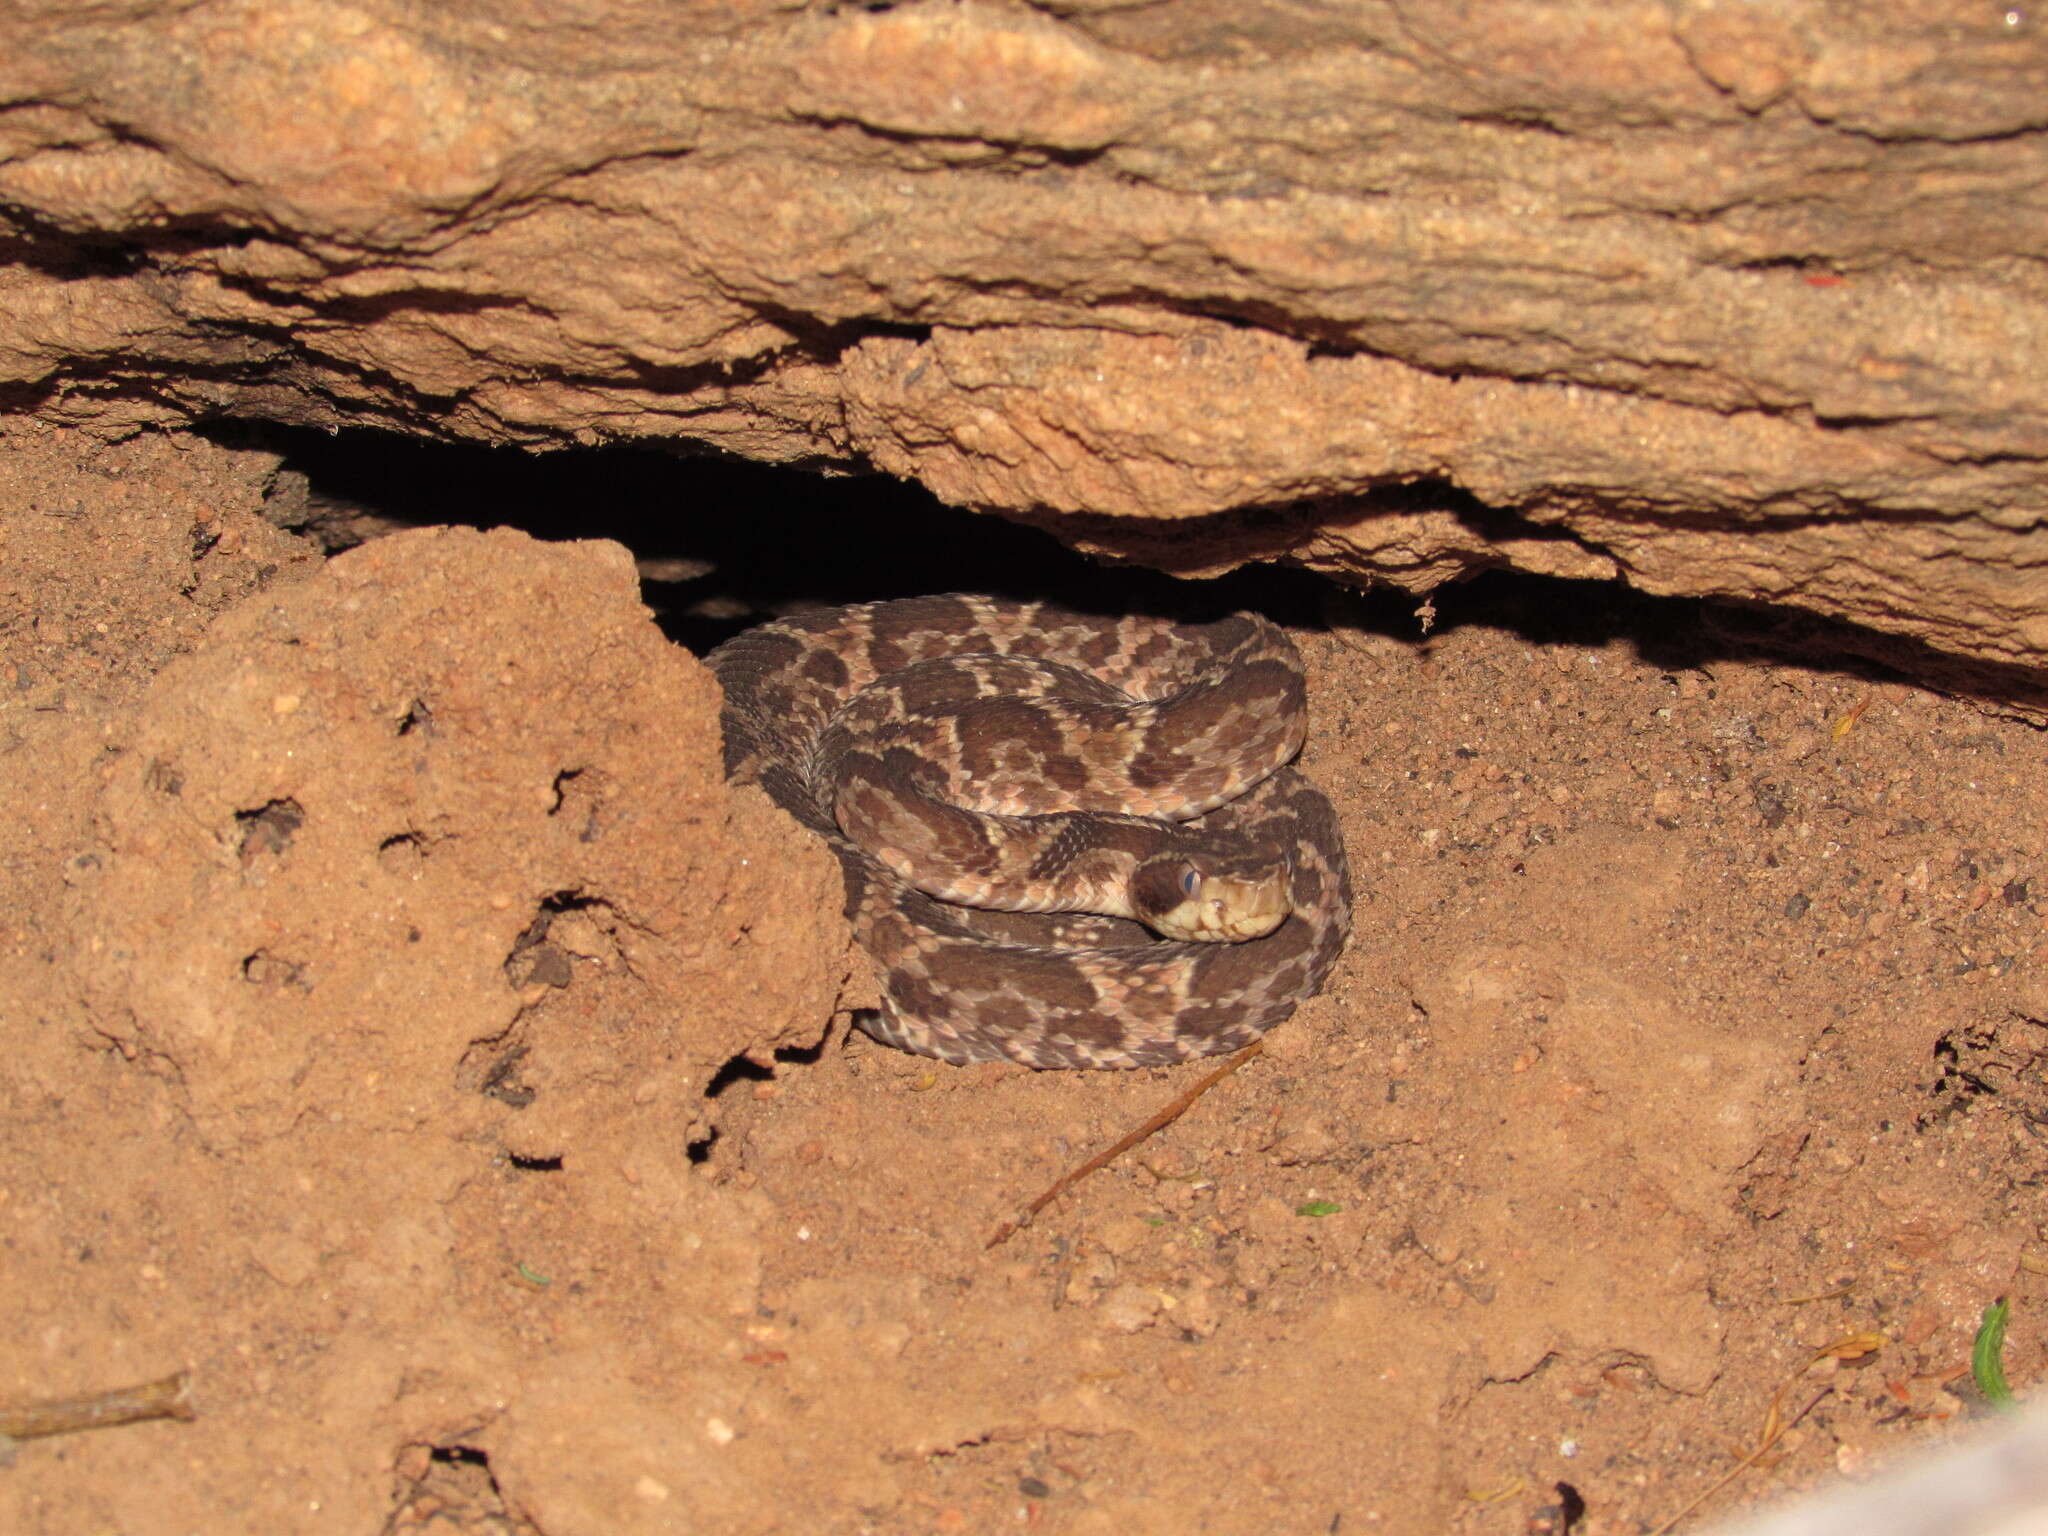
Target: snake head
{"type": "Point", "coordinates": [1178, 898]}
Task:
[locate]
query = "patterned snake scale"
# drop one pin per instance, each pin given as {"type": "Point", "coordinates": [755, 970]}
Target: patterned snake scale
{"type": "Point", "coordinates": [879, 712]}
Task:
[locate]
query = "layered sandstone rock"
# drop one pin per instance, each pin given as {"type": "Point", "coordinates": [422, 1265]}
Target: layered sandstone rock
{"type": "Point", "coordinates": [1713, 297]}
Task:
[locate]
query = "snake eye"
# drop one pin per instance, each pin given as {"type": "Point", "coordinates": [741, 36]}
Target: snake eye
{"type": "Point", "coordinates": [1190, 882]}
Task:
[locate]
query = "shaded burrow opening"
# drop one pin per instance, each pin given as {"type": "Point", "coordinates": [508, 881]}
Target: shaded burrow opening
{"type": "Point", "coordinates": [417, 717]}
{"type": "Point", "coordinates": [495, 1069]}
{"type": "Point", "coordinates": [263, 968]}
{"type": "Point", "coordinates": [401, 854]}
{"type": "Point", "coordinates": [267, 829]}
{"type": "Point", "coordinates": [723, 544]}
{"type": "Point", "coordinates": [452, 1486]}
{"type": "Point", "coordinates": [532, 960]}
{"type": "Point", "coordinates": [743, 1068]}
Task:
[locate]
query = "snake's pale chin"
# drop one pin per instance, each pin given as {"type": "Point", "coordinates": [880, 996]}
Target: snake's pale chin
{"type": "Point", "coordinates": [1226, 911]}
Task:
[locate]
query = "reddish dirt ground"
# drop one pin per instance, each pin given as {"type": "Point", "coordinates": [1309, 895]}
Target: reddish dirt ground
{"type": "Point", "coordinates": [411, 1038]}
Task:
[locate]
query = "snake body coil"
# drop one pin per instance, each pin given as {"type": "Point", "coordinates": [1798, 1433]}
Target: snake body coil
{"type": "Point", "coordinates": [1022, 756]}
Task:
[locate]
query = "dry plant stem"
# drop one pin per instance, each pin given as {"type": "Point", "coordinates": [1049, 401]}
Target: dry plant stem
{"type": "Point", "coordinates": [165, 1399]}
{"type": "Point", "coordinates": [1770, 1438]}
{"type": "Point", "coordinates": [1108, 1155]}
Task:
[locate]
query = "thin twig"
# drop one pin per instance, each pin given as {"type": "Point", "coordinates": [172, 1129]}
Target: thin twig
{"type": "Point", "coordinates": [1108, 1155]}
{"type": "Point", "coordinates": [165, 1399]}
{"type": "Point", "coordinates": [1774, 1429]}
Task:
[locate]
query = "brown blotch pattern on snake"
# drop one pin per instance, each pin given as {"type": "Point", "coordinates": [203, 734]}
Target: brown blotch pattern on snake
{"type": "Point", "coordinates": [963, 733]}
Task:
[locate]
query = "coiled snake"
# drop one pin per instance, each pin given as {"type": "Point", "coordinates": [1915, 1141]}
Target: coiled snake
{"type": "Point", "coordinates": [966, 749]}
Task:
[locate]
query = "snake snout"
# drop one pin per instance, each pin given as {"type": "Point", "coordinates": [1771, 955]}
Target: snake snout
{"type": "Point", "coordinates": [1228, 909]}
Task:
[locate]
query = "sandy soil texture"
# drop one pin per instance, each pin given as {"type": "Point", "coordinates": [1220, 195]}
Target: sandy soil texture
{"type": "Point", "coordinates": [410, 1036]}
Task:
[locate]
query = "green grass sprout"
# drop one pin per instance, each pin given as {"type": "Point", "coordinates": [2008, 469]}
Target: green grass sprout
{"type": "Point", "coordinates": [1987, 1358]}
